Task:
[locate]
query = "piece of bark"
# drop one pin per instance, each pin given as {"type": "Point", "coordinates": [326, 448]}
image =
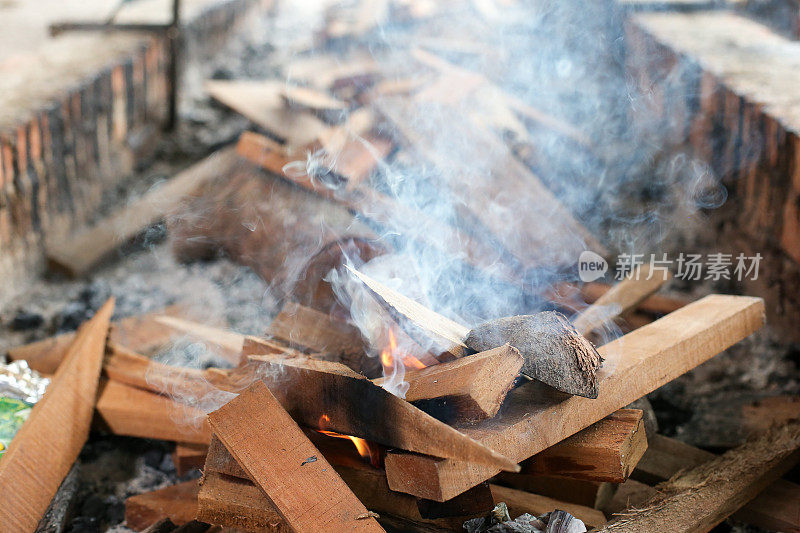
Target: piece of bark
{"type": "Point", "coordinates": [607, 450]}
{"type": "Point", "coordinates": [553, 351]}
{"type": "Point", "coordinates": [520, 502]}
{"type": "Point", "coordinates": [133, 412]}
{"type": "Point", "coordinates": [353, 405]}
{"type": "Point", "coordinates": [280, 459]}
{"type": "Point", "coordinates": [235, 502]}
{"type": "Point", "coordinates": [81, 252]}
{"type": "Point", "coordinates": [637, 364]}
{"type": "Point", "coordinates": [261, 102]}
{"type": "Point", "coordinates": [44, 449]}
{"type": "Point", "coordinates": [703, 497]}
{"type": "Point", "coordinates": [188, 456]}
{"type": "Point", "coordinates": [177, 502]}
{"type": "Point", "coordinates": [776, 508]}
{"type": "Point", "coordinates": [625, 295]}
{"type": "Point", "coordinates": [59, 512]}
{"type": "Point", "coordinates": [140, 333]}
{"type": "Point", "coordinates": [469, 388]}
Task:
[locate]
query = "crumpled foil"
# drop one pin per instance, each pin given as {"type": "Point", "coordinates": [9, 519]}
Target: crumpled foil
{"type": "Point", "coordinates": [17, 380]}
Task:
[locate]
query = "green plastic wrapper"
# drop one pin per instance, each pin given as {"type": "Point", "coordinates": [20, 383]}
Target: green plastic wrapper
{"type": "Point", "coordinates": [13, 413]}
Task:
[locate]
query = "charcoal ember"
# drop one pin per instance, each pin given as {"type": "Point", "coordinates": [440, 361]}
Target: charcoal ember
{"type": "Point", "coordinates": [25, 320]}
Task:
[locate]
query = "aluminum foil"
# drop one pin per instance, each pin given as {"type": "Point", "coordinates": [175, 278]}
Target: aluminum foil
{"type": "Point", "coordinates": [17, 380]}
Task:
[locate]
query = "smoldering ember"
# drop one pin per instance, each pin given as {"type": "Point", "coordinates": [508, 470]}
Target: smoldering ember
{"type": "Point", "coordinates": [399, 265]}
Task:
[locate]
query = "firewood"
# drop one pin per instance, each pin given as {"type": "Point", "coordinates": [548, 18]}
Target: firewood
{"type": "Point", "coordinates": [623, 296]}
{"type": "Point", "coordinates": [520, 502]}
{"type": "Point", "coordinates": [261, 103]}
{"type": "Point", "coordinates": [469, 388]}
{"type": "Point", "coordinates": [140, 333]}
{"type": "Point", "coordinates": [310, 390]}
{"type": "Point", "coordinates": [235, 502]}
{"type": "Point", "coordinates": [593, 494]}
{"type": "Point", "coordinates": [280, 459]}
{"type": "Point", "coordinates": [630, 495]}
{"type": "Point", "coordinates": [532, 421]}
{"type": "Point", "coordinates": [775, 508]}
{"type": "Point", "coordinates": [701, 498]}
{"type": "Point", "coordinates": [48, 443]}
{"type": "Point", "coordinates": [177, 502]}
{"type": "Point", "coordinates": [80, 253]}
{"type": "Point", "coordinates": [188, 456]}
{"type": "Point", "coordinates": [308, 98]}
{"type": "Point", "coordinates": [657, 304]}
{"type": "Point", "coordinates": [553, 351]}
{"type": "Point", "coordinates": [126, 410]}
{"type": "Point", "coordinates": [607, 450]}
{"type": "Point", "coordinates": [228, 340]}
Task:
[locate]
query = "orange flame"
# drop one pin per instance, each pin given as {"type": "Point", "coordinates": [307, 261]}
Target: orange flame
{"type": "Point", "coordinates": [389, 354]}
{"type": "Point", "coordinates": [362, 446]}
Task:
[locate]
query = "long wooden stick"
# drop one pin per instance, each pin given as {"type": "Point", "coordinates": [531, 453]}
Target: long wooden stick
{"type": "Point", "coordinates": [636, 364]}
{"type": "Point", "coordinates": [48, 443]}
{"type": "Point", "coordinates": [703, 497]}
{"type": "Point", "coordinates": [351, 404]}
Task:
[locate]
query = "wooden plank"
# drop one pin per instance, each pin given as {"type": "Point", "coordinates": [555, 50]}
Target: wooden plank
{"type": "Point", "coordinates": [469, 388]}
{"type": "Point", "coordinates": [353, 405]}
{"type": "Point", "coordinates": [140, 333]}
{"type": "Point", "coordinates": [520, 502]}
{"type": "Point", "coordinates": [776, 508]}
{"type": "Point", "coordinates": [636, 364]}
{"type": "Point", "coordinates": [48, 443]}
{"type": "Point", "coordinates": [607, 450]}
{"type": "Point", "coordinates": [703, 497]}
{"type": "Point", "coordinates": [188, 456]}
{"type": "Point", "coordinates": [177, 502]}
{"type": "Point", "coordinates": [280, 459]}
{"type": "Point", "coordinates": [81, 252]}
{"type": "Point", "coordinates": [126, 410]}
{"type": "Point", "coordinates": [623, 296]}
{"type": "Point", "coordinates": [261, 102]}
{"type": "Point", "coordinates": [235, 502]}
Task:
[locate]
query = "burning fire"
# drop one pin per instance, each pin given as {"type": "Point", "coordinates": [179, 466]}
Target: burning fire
{"type": "Point", "coordinates": [367, 452]}
{"type": "Point", "coordinates": [390, 353]}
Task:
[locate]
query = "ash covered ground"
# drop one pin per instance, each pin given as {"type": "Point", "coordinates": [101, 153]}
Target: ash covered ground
{"type": "Point", "coordinates": [143, 276]}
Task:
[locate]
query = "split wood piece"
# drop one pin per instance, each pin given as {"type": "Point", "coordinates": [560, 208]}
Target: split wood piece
{"type": "Point", "coordinates": [509, 225]}
{"type": "Point", "coordinates": [44, 449]}
{"type": "Point", "coordinates": [308, 98]}
{"type": "Point", "coordinates": [353, 405]}
{"type": "Point", "coordinates": [594, 494]}
{"type": "Point", "coordinates": [470, 388]}
{"type": "Point", "coordinates": [140, 333]}
{"type": "Point", "coordinates": [129, 411]}
{"type": "Point", "coordinates": [623, 296]}
{"type": "Point", "coordinates": [553, 351]}
{"type": "Point", "coordinates": [188, 456]}
{"type": "Point", "coordinates": [607, 450]}
{"type": "Point", "coordinates": [177, 502]}
{"type": "Point", "coordinates": [521, 502]}
{"type": "Point", "coordinates": [235, 502]}
{"type": "Point", "coordinates": [656, 304]}
{"type": "Point", "coordinates": [367, 483]}
{"type": "Point", "coordinates": [776, 508]}
{"type": "Point", "coordinates": [703, 497]}
{"type": "Point", "coordinates": [260, 346]}
{"type": "Point", "coordinates": [181, 383]}
{"type": "Point", "coordinates": [280, 459]}
{"type": "Point", "coordinates": [81, 252]}
{"type": "Point", "coordinates": [371, 204]}
{"type": "Point", "coordinates": [261, 102]}
{"type": "Point", "coordinates": [638, 363]}
{"type": "Point", "coordinates": [223, 338]}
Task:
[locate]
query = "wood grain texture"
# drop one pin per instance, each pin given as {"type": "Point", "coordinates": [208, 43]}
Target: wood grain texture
{"type": "Point", "coordinates": [701, 498]}
{"type": "Point", "coordinates": [608, 450]}
{"type": "Point", "coordinates": [177, 502]}
{"type": "Point", "coordinates": [280, 459]}
{"type": "Point", "coordinates": [353, 405]}
{"type": "Point", "coordinates": [636, 364]}
{"type": "Point", "coordinates": [235, 502]}
{"type": "Point", "coordinates": [126, 410]}
{"type": "Point", "coordinates": [776, 508]}
{"type": "Point", "coordinates": [48, 443]}
{"type": "Point", "coordinates": [469, 388]}
{"type": "Point", "coordinates": [78, 254]}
